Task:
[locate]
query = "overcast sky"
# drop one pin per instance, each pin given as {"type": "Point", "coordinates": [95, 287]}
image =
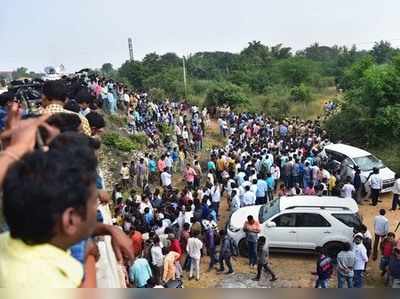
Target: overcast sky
{"type": "Point", "coordinates": [87, 33]}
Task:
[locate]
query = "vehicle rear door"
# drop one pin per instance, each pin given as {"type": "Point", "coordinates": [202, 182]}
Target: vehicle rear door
{"type": "Point", "coordinates": [311, 229]}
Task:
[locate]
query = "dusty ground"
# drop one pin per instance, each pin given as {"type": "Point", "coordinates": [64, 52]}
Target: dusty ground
{"type": "Point", "coordinates": [293, 270]}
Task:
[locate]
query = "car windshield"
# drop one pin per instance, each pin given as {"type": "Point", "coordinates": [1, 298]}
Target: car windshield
{"type": "Point", "coordinates": [367, 163]}
{"type": "Point", "coordinates": [268, 210]}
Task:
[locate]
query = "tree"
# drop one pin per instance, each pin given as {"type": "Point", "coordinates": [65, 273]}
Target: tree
{"type": "Point", "coordinates": [296, 70]}
{"type": "Point", "coordinates": [134, 72]}
{"type": "Point", "coordinates": [225, 93]}
{"type": "Point", "coordinates": [301, 93]}
{"type": "Point", "coordinates": [383, 52]}
{"type": "Point", "coordinates": [20, 73]}
{"type": "Point", "coordinates": [280, 52]}
{"type": "Point", "coordinates": [107, 68]}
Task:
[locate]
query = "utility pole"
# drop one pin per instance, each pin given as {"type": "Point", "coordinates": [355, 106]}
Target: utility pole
{"type": "Point", "coordinates": [184, 76]}
{"type": "Point", "coordinates": [130, 45]}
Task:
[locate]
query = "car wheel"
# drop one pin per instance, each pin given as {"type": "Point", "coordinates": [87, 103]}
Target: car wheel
{"type": "Point", "coordinates": [333, 248]}
{"type": "Point", "coordinates": [243, 248]}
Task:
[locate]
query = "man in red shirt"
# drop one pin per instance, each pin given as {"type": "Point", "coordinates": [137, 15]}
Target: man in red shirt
{"type": "Point", "coordinates": [175, 244]}
{"type": "Point", "coordinates": [189, 175]}
{"type": "Point", "coordinates": [137, 241]}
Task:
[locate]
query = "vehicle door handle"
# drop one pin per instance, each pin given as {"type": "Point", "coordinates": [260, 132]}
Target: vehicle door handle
{"type": "Point", "coordinates": [327, 232]}
{"type": "Point", "coordinates": [292, 232]}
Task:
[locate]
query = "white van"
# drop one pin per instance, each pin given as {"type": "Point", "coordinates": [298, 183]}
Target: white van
{"type": "Point", "coordinates": [349, 157]}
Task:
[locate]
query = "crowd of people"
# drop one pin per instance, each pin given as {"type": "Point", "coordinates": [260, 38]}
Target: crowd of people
{"type": "Point", "coordinates": [166, 214]}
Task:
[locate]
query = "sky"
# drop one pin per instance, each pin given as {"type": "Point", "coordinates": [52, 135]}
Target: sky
{"type": "Point", "coordinates": [88, 33]}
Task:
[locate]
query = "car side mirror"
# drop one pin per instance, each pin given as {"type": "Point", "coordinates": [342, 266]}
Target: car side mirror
{"type": "Point", "coordinates": [271, 224]}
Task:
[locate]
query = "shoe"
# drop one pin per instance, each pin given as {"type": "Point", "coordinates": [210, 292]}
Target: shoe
{"type": "Point", "coordinates": [197, 279]}
{"type": "Point", "coordinates": [229, 273]}
{"type": "Point", "coordinates": [219, 271]}
{"type": "Point", "coordinates": [190, 278]}
{"type": "Point", "coordinates": [273, 279]}
{"type": "Point", "coordinates": [256, 279]}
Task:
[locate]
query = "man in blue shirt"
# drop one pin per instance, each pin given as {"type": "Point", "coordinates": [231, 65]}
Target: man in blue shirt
{"type": "Point", "coordinates": [271, 186]}
{"type": "Point", "coordinates": [262, 189]}
{"type": "Point", "coordinates": [140, 272]}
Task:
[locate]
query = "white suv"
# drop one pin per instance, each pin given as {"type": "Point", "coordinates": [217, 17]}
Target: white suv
{"type": "Point", "coordinates": [347, 157]}
{"type": "Point", "coordinates": [300, 223]}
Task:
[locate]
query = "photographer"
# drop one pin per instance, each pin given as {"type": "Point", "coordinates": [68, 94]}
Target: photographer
{"type": "Point", "coordinates": [53, 99]}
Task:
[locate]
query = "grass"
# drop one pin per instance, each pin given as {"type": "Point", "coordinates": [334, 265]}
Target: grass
{"type": "Point", "coordinates": [124, 144]}
{"type": "Point", "coordinates": [389, 155]}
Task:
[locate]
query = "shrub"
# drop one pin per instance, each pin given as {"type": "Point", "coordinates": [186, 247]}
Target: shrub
{"type": "Point", "coordinates": [301, 93]}
{"type": "Point", "coordinates": [118, 142]}
{"type": "Point", "coordinates": [139, 140]}
{"type": "Point", "coordinates": [225, 93]}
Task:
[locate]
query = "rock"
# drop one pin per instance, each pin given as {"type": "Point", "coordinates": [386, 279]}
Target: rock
{"type": "Point", "coordinates": [244, 280]}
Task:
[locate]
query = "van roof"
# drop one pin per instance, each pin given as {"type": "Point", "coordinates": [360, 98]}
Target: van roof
{"type": "Point", "coordinates": [348, 150]}
{"type": "Point", "coordinates": [305, 201]}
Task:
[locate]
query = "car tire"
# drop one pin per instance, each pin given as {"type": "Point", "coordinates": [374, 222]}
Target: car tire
{"type": "Point", "coordinates": [333, 248]}
{"type": "Point", "coordinates": [243, 248]}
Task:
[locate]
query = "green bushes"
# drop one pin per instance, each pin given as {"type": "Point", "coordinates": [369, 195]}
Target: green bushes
{"type": "Point", "coordinates": [122, 143]}
{"type": "Point", "coordinates": [165, 129]}
{"type": "Point", "coordinates": [119, 121]}
{"type": "Point", "coordinates": [225, 93]}
{"type": "Point", "coordinates": [371, 110]}
{"type": "Point", "coordinates": [301, 93]}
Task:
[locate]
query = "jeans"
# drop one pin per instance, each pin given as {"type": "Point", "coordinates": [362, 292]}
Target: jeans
{"type": "Point", "coordinates": [266, 268]}
{"type": "Point", "coordinates": [376, 245]}
{"type": "Point", "coordinates": [195, 268]}
{"type": "Point", "coordinates": [395, 201]}
{"type": "Point", "coordinates": [252, 253]}
{"type": "Point", "coordinates": [321, 283]}
{"type": "Point", "coordinates": [260, 200]}
{"type": "Point", "coordinates": [375, 196]}
{"type": "Point", "coordinates": [187, 262]}
{"type": "Point", "coordinates": [288, 181]}
{"type": "Point", "coordinates": [358, 278]}
{"type": "Point", "coordinates": [215, 207]}
{"type": "Point", "coordinates": [344, 279]}
{"type": "Point", "coordinates": [227, 260]}
{"type": "Point", "coordinates": [213, 259]}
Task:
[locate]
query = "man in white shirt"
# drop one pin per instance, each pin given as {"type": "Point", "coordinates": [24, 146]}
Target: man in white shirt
{"type": "Point", "coordinates": [396, 192]}
{"type": "Point", "coordinates": [157, 258]}
{"type": "Point", "coordinates": [381, 225]}
{"type": "Point", "coordinates": [166, 178]}
{"type": "Point", "coordinates": [276, 174]}
{"type": "Point", "coordinates": [193, 248]}
{"type": "Point", "coordinates": [348, 189]}
{"type": "Point", "coordinates": [376, 184]}
{"type": "Point", "coordinates": [168, 161]}
{"type": "Point", "coordinates": [249, 198]}
{"type": "Point", "coordinates": [360, 253]}
{"type": "Point", "coordinates": [235, 201]}
{"type": "Point", "coordinates": [125, 174]}
{"type": "Point", "coordinates": [215, 198]}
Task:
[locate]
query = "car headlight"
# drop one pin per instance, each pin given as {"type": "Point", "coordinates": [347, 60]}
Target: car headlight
{"type": "Point", "coordinates": [233, 228]}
